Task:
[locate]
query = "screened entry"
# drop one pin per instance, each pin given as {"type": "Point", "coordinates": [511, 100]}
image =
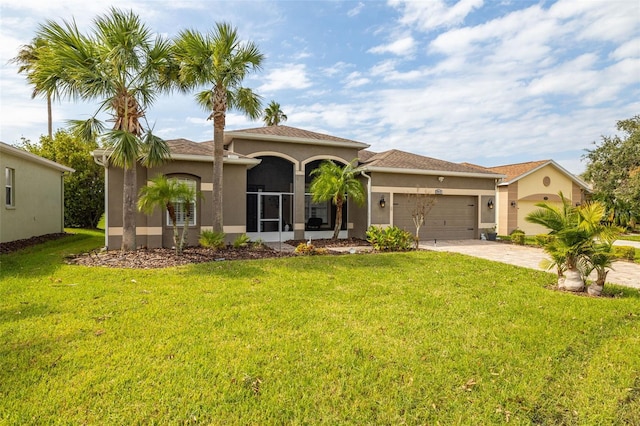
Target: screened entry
{"type": "Point", "coordinates": [270, 196]}
{"type": "Point", "coordinates": [320, 216]}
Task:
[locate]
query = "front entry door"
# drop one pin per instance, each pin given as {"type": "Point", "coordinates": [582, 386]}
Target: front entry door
{"type": "Point", "coordinates": [270, 212]}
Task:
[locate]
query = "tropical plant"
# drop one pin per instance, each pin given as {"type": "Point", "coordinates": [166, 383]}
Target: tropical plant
{"type": "Point", "coordinates": [169, 193]}
{"type": "Point", "coordinates": [84, 188]}
{"type": "Point", "coordinates": [221, 61]}
{"type": "Point", "coordinates": [600, 260]}
{"type": "Point", "coordinates": [27, 61]}
{"type": "Point", "coordinates": [124, 66]}
{"type": "Point", "coordinates": [242, 241]}
{"type": "Point", "coordinates": [576, 230]}
{"type": "Point", "coordinates": [273, 115]}
{"type": "Point", "coordinates": [336, 183]}
{"type": "Point", "coordinates": [390, 238]}
{"type": "Point", "coordinates": [212, 239]}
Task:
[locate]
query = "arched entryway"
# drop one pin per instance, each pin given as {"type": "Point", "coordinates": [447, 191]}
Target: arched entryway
{"type": "Point", "coordinates": [270, 199]}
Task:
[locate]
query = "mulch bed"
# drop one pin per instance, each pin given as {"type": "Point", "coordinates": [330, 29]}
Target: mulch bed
{"type": "Point", "coordinates": [163, 258]}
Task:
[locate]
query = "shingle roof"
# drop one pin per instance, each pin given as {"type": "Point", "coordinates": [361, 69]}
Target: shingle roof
{"type": "Point", "coordinates": [405, 160]}
{"type": "Point", "coordinates": [187, 147]}
{"type": "Point", "coordinates": [513, 171]}
{"type": "Point", "coordinates": [290, 132]}
{"type": "Point", "coordinates": [364, 155]}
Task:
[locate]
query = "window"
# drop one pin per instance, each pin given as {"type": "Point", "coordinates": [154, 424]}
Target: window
{"type": "Point", "coordinates": [9, 179]}
{"type": "Point", "coordinates": [180, 207]}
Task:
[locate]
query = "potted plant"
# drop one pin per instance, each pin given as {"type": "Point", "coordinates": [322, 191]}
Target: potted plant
{"type": "Point", "coordinates": [491, 233]}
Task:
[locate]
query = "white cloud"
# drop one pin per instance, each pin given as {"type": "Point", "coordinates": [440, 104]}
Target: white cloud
{"type": "Point", "coordinates": [289, 76]}
{"type": "Point", "coordinates": [356, 10]}
{"type": "Point", "coordinates": [355, 79]}
{"type": "Point", "coordinates": [432, 14]}
{"type": "Point", "coordinates": [403, 46]}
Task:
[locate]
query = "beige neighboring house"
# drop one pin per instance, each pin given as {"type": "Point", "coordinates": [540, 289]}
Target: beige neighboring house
{"type": "Point", "coordinates": [33, 195]}
{"type": "Point", "coordinates": [529, 183]}
{"type": "Point", "coordinates": [267, 173]}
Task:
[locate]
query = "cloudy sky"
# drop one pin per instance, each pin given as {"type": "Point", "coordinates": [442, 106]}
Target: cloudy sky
{"type": "Point", "coordinates": [488, 82]}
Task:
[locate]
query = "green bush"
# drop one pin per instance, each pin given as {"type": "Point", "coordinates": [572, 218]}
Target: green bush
{"type": "Point", "coordinates": [544, 239]}
{"type": "Point", "coordinates": [211, 239]}
{"type": "Point", "coordinates": [306, 249]}
{"type": "Point", "coordinates": [516, 231]}
{"type": "Point", "coordinates": [625, 252]}
{"type": "Point", "coordinates": [517, 238]}
{"type": "Point", "coordinates": [242, 241]}
{"type": "Point", "coordinates": [389, 239]}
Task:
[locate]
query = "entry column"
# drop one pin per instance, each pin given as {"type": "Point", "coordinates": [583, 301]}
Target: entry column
{"type": "Point", "coordinates": [298, 205]}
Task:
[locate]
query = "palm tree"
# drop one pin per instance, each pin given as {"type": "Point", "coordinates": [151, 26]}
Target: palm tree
{"type": "Point", "coordinates": [273, 115]}
{"type": "Point", "coordinates": [335, 183]}
{"type": "Point", "coordinates": [220, 61]}
{"type": "Point", "coordinates": [27, 60]}
{"type": "Point", "coordinates": [124, 67]}
{"type": "Point", "coordinates": [575, 231]}
{"type": "Point", "coordinates": [169, 193]}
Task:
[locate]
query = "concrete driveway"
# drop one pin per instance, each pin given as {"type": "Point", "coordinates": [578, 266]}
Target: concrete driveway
{"type": "Point", "coordinates": [624, 273]}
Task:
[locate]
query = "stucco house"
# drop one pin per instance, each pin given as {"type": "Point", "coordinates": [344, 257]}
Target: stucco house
{"type": "Point", "coordinates": [33, 196]}
{"type": "Point", "coordinates": [266, 181]}
{"type": "Point", "coordinates": [529, 183]}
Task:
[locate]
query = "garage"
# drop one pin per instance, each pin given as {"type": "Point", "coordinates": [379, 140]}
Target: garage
{"type": "Point", "coordinates": [451, 218]}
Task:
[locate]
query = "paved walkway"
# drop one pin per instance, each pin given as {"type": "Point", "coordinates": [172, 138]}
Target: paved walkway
{"type": "Point", "coordinates": [624, 273]}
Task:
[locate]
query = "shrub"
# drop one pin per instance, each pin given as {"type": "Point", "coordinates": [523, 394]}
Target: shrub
{"type": "Point", "coordinates": [257, 244]}
{"type": "Point", "coordinates": [517, 238]}
{"type": "Point", "coordinates": [544, 239]}
{"type": "Point", "coordinates": [242, 241]}
{"type": "Point", "coordinates": [389, 239]}
{"type": "Point", "coordinates": [212, 239]}
{"type": "Point", "coordinates": [625, 252]}
{"type": "Point", "coordinates": [305, 249]}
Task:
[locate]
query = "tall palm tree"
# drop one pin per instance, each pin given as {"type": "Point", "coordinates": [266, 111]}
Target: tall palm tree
{"type": "Point", "coordinates": [273, 115]}
{"type": "Point", "coordinates": [27, 61]}
{"type": "Point", "coordinates": [169, 193]}
{"type": "Point", "coordinates": [335, 183]}
{"type": "Point", "coordinates": [220, 61]}
{"type": "Point", "coordinates": [123, 66]}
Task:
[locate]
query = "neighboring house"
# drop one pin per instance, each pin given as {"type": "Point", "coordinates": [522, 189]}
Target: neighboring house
{"type": "Point", "coordinates": [529, 183]}
{"type": "Point", "coordinates": [266, 182]}
{"type": "Point", "coordinates": [33, 195]}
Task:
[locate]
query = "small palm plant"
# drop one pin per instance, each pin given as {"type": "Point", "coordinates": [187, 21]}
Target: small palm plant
{"type": "Point", "coordinates": [164, 192]}
{"type": "Point", "coordinates": [601, 261]}
{"type": "Point", "coordinates": [575, 231]}
{"type": "Point", "coordinates": [335, 183]}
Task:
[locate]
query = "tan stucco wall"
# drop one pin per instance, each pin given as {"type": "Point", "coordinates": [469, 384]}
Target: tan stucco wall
{"type": "Point", "coordinates": [422, 181]}
{"type": "Point", "coordinates": [38, 200]}
{"type": "Point", "coordinates": [528, 191]}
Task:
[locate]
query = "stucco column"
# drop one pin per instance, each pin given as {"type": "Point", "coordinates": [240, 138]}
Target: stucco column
{"type": "Point", "coordinates": [298, 205]}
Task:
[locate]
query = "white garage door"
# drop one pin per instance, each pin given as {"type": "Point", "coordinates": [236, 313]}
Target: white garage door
{"type": "Point", "coordinates": [451, 218]}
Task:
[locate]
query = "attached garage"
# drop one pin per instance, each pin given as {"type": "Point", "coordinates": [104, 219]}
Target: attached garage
{"type": "Point", "coordinates": [452, 217]}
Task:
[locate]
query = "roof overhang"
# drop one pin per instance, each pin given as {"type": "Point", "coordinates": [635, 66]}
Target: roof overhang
{"type": "Point", "coordinates": [431, 172]}
{"type": "Point", "coordinates": [33, 158]}
{"type": "Point", "coordinates": [230, 136]}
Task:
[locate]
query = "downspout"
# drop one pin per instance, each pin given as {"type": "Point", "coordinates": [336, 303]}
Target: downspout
{"type": "Point", "coordinates": [368, 198]}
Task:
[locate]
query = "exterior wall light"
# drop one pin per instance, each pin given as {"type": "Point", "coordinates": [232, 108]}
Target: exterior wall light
{"type": "Point", "coordinates": [513, 204]}
{"type": "Point", "coordinates": [382, 202]}
{"type": "Point", "coordinates": [490, 204]}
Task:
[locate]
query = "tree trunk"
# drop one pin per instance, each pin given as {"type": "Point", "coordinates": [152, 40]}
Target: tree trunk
{"type": "Point", "coordinates": [336, 230]}
{"type": "Point", "coordinates": [49, 117]}
{"type": "Point", "coordinates": [573, 280]}
{"type": "Point", "coordinates": [128, 209]}
{"type": "Point", "coordinates": [220, 108]}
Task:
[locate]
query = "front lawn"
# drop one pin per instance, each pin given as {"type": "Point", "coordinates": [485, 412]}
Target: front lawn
{"type": "Point", "coordinates": [415, 338]}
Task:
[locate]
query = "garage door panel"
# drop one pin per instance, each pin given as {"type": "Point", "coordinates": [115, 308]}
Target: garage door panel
{"type": "Point", "coordinates": [451, 218]}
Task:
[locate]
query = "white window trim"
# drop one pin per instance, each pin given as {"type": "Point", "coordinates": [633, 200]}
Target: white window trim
{"type": "Point", "coordinates": [10, 187]}
{"type": "Point", "coordinates": [179, 206]}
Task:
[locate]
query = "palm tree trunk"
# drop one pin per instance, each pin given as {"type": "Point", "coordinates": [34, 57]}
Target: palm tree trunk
{"type": "Point", "coordinates": [220, 107]}
{"type": "Point", "coordinates": [128, 209]}
{"type": "Point", "coordinates": [49, 117]}
{"type": "Point", "coordinates": [336, 230]}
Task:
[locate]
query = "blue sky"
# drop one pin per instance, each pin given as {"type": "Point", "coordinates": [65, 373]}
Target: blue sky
{"type": "Point", "coordinates": [488, 82]}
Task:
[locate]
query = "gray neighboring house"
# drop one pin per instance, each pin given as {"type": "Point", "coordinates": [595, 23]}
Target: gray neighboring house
{"type": "Point", "coordinates": [33, 195]}
{"type": "Point", "coordinates": [266, 182]}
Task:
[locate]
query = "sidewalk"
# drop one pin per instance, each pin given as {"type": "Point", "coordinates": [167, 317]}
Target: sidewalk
{"type": "Point", "coordinates": [624, 273]}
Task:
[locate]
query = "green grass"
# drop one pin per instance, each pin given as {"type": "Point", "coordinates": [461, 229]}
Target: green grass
{"type": "Point", "coordinates": [415, 338]}
{"type": "Point", "coordinates": [630, 237]}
